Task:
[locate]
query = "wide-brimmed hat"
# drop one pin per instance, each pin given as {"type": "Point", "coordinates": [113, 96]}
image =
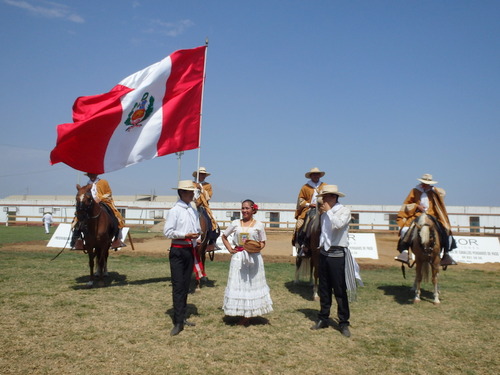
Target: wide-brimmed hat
{"type": "Point", "coordinates": [185, 185]}
{"type": "Point", "coordinates": [330, 189]}
{"type": "Point", "coordinates": [200, 171]}
{"type": "Point", "coordinates": [252, 246]}
{"type": "Point", "coordinates": [315, 170]}
{"type": "Point", "coordinates": [427, 179]}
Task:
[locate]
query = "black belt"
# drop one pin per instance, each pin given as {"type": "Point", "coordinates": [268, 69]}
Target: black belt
{"type": "Point", "coordinates": [333, 249]}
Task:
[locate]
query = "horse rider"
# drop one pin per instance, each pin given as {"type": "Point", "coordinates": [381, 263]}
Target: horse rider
{"type": "Point", "coordinates": [307, 200]}
{"type": "Point", "coordinates": [101, 192]}
{"type": "Point", "coordinates": [202, 196]}
{"type": "Point", "coordinates": [429, 199]}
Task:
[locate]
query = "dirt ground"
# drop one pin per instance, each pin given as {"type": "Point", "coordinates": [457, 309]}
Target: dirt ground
{"type": "Point", "coordinates": [278, 249]}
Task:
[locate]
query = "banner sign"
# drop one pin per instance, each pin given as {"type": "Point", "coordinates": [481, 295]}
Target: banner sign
{"type": "Point", "coordinates": [476, 250]}
{"type": "Point", "coordinates": [361, 245]}
{"type": "Point", "coordinates": [62, 236]}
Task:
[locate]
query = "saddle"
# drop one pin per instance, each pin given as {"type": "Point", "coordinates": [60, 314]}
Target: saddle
{"type": "Point", "coordinates": [114, 220]}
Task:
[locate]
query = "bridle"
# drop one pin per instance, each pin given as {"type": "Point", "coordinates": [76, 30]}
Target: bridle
{"type": "Point", "coordinates": [432, 239]}
{"type": "Point", "coordinates": [84, 210]}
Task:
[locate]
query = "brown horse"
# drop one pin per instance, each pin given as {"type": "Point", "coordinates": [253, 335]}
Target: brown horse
{"type": "Point", "coordinates": [426, 246]}
{"type": "Point", "coordinates": [98, 231]}
{"type": "Point", "coordinates": [203, 248]}
{"type": "Point", "coordinates": [307, 240]}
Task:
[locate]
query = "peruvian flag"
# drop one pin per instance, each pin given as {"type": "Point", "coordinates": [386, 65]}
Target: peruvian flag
{"type": "Point", "coordinates": [151, 113]}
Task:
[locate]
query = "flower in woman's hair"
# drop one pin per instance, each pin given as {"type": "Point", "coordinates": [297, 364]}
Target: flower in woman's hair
{"type": "Point", "coordinates": [255, 207]}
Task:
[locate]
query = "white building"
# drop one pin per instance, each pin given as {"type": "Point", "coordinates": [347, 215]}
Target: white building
{"type": "Point", "coordinates": [149, 210]}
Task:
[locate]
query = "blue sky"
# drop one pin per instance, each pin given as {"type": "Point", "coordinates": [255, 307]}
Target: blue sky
{"type": "Point", "coordinates": [375, 93]}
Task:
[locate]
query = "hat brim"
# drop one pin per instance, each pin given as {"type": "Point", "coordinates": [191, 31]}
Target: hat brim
{"type": "Point", "coordinates": [338, 193]}
{"type": "Point", "coordinates": [427, 182]}
{"type": "Point", "coordinates": [205, 173]}
{"type": "Point", "coordinates": [186, 189]}
{"type": "Point", "coordinates": [308, 174]}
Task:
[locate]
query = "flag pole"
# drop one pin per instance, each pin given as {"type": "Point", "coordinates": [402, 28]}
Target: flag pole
{"type": "Point", "coordinates": [201, 111]}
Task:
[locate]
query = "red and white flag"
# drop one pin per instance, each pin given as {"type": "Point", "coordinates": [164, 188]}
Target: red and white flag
{"type": "Point", "coordinates": [151, 113]}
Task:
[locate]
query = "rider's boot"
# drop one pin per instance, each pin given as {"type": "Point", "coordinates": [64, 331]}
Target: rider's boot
{"type": "Point", "coordinates": [78, 245]}
{"type": "Point", "coordinates": [447, 260]}
{"type": "Point", "coordinates": [403, 257]}
{"type": "Point", "coordinates": [118, 241]}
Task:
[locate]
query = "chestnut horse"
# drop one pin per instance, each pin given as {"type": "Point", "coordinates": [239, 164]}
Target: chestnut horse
{"type": "Point", "coordinates": [98, 231]}
{"type": "Point", "coordinates": [307, 238]}
{"type": "Point", "coordinates": [426, 246]}
{"type": "Point", "coordinates": [206, 232]}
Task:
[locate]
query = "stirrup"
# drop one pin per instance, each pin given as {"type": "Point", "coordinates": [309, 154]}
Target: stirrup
{"type": "Point", "coordinates": [78, 245]}
{"type": "Point", "coordinates": [447, 260]}
{"type": "Point", "coordinates": [403, 257]}
{"type": "Point", "coordinates": [116, 244]}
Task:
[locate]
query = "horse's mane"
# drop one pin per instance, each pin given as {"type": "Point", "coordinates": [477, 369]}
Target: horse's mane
{"type": "Point", "coordinates": [424, 223]}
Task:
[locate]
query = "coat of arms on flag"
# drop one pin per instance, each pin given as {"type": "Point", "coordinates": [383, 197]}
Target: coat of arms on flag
{"type": "Point", "coordinates": [139, 112]}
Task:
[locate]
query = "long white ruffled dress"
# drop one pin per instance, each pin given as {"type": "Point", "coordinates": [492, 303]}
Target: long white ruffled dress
{"type": "Point", "coordinates": [247, 293]}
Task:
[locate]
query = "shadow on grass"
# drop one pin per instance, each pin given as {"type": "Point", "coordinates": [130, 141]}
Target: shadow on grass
{"type": "Point", "coordinates": [191, 310]}
{"type": "Point", "coordinates": [205, 282]}
{"type": "Point", "coordinates": [114, 279]}
{"type": "Point", "coordinates": [236, 321]}
{"type": "Point", "coordinates": [404, 295]}
{"type": "Point", "coordinates": [312, 315]}
{"type": "Point", "coordinates": [303, 289]}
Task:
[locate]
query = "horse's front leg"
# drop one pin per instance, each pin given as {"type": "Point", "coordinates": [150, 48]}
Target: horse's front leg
{"type": "Point", "coordinates": [298, 262]}
{"type": "Point", "coordinates": [91, 253]}
{"type": "Point", "coordinates": [418, 282]}
{"type": "Point", "coordinates": [435, 275]}
{"type": "Point", "coordinates": [314, 262]}
{"type": "Point", "coordinates": [315, 289]}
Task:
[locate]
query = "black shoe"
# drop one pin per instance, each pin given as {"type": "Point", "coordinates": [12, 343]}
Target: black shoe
{"type": "Point", "coordinates": [176, 330]}
{"type": "Point", "coordinates": [320, 324]}
{"type": "Point", "coordinates": [447, 260]}
{"type": "Point", "coordinates": [345, 331]}
{"type": "Point", "coordinates": [189, 324]}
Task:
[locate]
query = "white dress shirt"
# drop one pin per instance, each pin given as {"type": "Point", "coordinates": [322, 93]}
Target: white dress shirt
{"type": "Point", "coordinates": [181, 220]}
{"type": "Point", "coordinates": [335, 227]}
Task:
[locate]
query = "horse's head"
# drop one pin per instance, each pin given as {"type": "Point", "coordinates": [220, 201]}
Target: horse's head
{"type": "Point", "coordinates": [427, 232]}
{"type": "Point", "coordinates": [84, 200]}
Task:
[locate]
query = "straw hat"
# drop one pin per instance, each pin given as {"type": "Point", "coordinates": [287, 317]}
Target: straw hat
{"type": "Point", "coordinates": [252, 246]}
{"type": "Point", "coordinates": [185, 185]}
{"type": "Point", "coordinates": [330, 189]}
{"type": "Point", "coordinates": [427, 179]}
{"type": "Point", "coordinates": [200, 171]}
{"type": "Point", "coordinates": [315, 170]}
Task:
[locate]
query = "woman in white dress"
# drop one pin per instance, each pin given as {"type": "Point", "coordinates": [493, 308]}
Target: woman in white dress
{"type": "Point", "coordinates": [247, 293]}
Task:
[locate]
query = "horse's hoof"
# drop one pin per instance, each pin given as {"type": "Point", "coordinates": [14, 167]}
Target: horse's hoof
{"type": "Point", "coordinates": [316, 298]}
{"type": "Point", "coordinates": [90, 284]}
{"type": "Point", "coordinates": [437, 303]}
{"type": "Point", "coordinates": [416, 300]}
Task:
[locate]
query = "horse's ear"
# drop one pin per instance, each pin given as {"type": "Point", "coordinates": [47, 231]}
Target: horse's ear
{"type": "Point", "coordinates": [78, 187]}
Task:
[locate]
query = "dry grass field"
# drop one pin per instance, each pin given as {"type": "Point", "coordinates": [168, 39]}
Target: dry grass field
{"type": "Point", "coordinates": [51, 324]}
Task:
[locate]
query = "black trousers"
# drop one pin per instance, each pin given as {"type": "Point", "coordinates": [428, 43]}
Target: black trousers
{"type": "Point", "coordinates": [181, 268]}
{"type": "Point", "coordinates": [332, 277]}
